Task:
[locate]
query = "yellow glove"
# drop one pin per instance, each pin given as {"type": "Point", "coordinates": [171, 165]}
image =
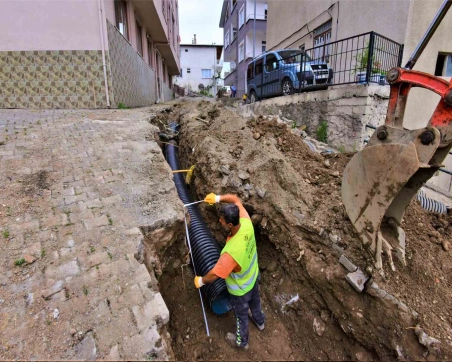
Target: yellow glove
{"type": "Point", "coordinates": [212, 198]}
{"type": "Point", "coordinates": [198, 282]}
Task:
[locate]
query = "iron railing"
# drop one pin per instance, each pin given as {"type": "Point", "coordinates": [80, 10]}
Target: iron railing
{"type": "Point", "coordinates": [361, 59]}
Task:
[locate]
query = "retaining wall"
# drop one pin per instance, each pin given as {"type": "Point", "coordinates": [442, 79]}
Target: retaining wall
{"type": "Point", "coordinates": [346, 109]}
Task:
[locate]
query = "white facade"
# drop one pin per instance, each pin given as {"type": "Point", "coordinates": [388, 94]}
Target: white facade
{"type": "Point", "coordinates": [199, 63]}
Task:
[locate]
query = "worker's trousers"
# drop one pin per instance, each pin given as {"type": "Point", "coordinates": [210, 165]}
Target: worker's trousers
{"type": "Point", "coordinates": [250, 300]}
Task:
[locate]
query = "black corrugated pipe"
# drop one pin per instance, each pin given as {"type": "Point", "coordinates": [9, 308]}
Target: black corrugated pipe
{"type": "Point", "coordinates": [205, 249]}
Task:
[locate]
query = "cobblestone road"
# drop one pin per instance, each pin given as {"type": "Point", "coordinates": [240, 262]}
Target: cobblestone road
{"type": "Point", "coordinates": [74, 187]}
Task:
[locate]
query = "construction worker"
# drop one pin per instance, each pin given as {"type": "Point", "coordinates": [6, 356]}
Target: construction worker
{"type": "Point", "coordinates": [238, 267]}
{"type": "Point", "coordinates": [233, 91]}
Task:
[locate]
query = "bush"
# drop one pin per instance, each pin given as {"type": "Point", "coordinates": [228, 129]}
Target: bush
{"type": "Point", "coordinates": [206, 93]}
{"type": "Point", "coordinates": [122, 106]}
{"type": "Point", "coordinates": [322, 132]}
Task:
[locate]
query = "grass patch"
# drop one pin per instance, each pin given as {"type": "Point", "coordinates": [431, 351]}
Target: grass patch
{"type": "Point", "coordinates": [92, 249]}
{"type": "Point", "coordinates": [110, 220]}
{"type": "Point", "coordinates": [122, 106]}
{"type": "Point", "coordinates": [19, 262]}
{"type": "Point", "coordinates": [5, 234]}
{"type": "Point", "coordinates": [110, 255]}
{"type": "Point", "coordinates": [43, 253]}
{"type": "Point", "coordinates": [8, 211]}
{"type": "Point", "coordinates": [85, 290]}
{"type": "Point", "coordinates": [2, 143]}
{"type": "Point", "coordinates": [322, 132]}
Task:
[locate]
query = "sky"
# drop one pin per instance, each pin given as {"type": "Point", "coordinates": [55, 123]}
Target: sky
{"type": "Point", "coordinates": [200, 17]}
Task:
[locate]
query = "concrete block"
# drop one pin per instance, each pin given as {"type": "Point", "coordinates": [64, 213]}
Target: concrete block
{"type": "Point", "coordinates": [337, 249]}
{"type": "Point", "coordinates": [347, 264]}
{"type": "Point", "coordinates": [86, 350]}
{"type": "Point", "coordinates": [57, 287]}
{"type": "Point", "coordinates": [144, 346]}
{"type": "Point", "coordinates": [375, 291]}
{"type": "Point", "coordinates": [96, 222]}
{"type": "Point", "coordinates": [152, 313]}
{"type": "Point", "coordinates": [116, 199]}
{"type": "Point", "coordinates": [357, 280]}
{"type": "Point", "coordinates": [62, 271]}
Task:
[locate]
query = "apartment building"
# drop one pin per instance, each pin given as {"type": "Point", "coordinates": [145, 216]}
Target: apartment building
{"type": "Point", "coordinates": [201, 65]}
{"type": "Point", "coordinates": [304, 24]}
{"type": "Point", "coordinates": [238, 21]}
{"type": "Point", "coordinates": [87, 54]}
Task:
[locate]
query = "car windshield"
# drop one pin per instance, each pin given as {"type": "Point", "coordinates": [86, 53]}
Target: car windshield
{"type": "Point", "coordinates": [293, 56]}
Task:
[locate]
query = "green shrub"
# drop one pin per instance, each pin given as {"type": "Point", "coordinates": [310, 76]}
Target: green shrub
{"type": "Point", "coordinates": [122, 106]}
{"type": "Point", "coordinates": [322, 132]}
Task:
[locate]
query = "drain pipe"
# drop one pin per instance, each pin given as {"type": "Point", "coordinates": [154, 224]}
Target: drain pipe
{"type": "Point", "coordinates": [102, 41]}
{"type": "Point", "coordinates": [204, 249]}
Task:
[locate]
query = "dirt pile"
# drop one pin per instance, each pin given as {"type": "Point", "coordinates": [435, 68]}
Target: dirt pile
{"type": "Point", "coordinates": [294, 196]}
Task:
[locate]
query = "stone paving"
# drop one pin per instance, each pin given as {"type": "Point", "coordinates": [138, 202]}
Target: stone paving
{"type": "Point", "coordinates": [75, 186]}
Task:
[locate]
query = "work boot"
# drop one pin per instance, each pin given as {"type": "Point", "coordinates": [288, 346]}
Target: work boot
{"type": "Point", "coordinates": [261, 327]}
{"type": "Point", "coordinates": [230, 338]}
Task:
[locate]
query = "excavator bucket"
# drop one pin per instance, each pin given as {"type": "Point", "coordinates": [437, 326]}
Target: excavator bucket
{"type": "Point", "coordinates": [380, 181]}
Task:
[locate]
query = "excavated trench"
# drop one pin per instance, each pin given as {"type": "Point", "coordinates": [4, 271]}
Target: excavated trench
{"type": "Point", "coordinates": [312, 312]}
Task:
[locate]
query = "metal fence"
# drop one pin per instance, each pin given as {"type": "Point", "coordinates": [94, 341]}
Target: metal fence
{"type": "Point", "coordinates": [361, 59]}
{"type": "Point", "coordinates": [178, 90]}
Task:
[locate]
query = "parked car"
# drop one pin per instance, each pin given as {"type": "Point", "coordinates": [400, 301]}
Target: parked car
{"type": "Point", "coordinates": [282, 72]}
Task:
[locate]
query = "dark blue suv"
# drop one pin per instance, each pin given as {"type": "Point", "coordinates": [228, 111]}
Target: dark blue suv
{"type": "Point", "coordinates": [282, 72]}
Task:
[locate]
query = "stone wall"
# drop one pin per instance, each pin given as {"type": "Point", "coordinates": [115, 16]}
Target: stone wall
{"type": "Point", "coordinates": [346, 109]}
{"type": "Point", "coordinates": [134, 82]}
{"type": "Point", "coordinates": [52, 79]}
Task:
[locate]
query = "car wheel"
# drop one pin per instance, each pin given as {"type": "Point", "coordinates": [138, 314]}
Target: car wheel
{"type": "Point", "coordinates": [253, 97]}
{"type": "Point", "coordinates": [287, 86]}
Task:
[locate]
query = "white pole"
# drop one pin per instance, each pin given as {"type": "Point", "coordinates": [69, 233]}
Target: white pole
{"type": "Point", "coordinates": [254, 31]}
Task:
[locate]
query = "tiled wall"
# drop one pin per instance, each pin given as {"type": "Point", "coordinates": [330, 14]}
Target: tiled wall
{"type": "Point", "coordinates": [134, 82]}
{"type": "Point", "coordinates": [52, 79]}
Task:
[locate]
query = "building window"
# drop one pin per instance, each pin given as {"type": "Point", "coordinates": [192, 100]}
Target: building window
{"type": "Point", "coordinates": [188, 70]}
{"type": "Point", "coordinates": [241, 51]}
{"type": "Point", "coordinates": [226, 39]}
{"type": "Point", "coordinates": [186, 50]}
{"type": "Point", "coordinates": [322, 39]}
{"type": "Point", "coordinates": [139, 38]}
{"type": "Point", "coordinates": [206, 73]}
{"type": "Point", "coordinates": [444, 65]}
{"type": "Point", "coordinates": [302, 48]}
{"type": "Point", "coordinates": [266, 11]}
{"type": "Point", "coordinates": [173, 38]}
{"type": "Point", "coordinates": [226, 17]}
{"type": "Point", "coordinates": [151, 54]}
{"type": "Point", "coordinates": [264, 46]}
{"type": "Point", "coordinates": [242, 16]}
{"type": "Point", "coordinates": [121, 17]}
{"type": "Point", "coordinates": [181, 73]}
{"type": "Point", "coordinates": [233, 33]}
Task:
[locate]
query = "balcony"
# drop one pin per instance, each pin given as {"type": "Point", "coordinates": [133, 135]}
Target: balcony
{"type": "Point", "coordinates": [258, 17]}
